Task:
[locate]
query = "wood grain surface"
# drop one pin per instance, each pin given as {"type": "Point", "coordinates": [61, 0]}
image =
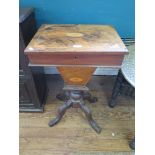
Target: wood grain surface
{"type": "Point", "coordinates": [98, 45]}
{"type": "Point", "coordinates": [76, 75]}
{"type": "Point", "coordinates": [87, 59]}
{"type": "Point", "coordinates": [76, 38]}
{"type": "Point", "coordinates": [73, 135]}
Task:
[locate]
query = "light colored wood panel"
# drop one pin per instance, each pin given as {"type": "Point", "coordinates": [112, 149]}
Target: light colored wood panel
{"type": "Point", "coordinates": [124, 133]}
{"type": "Point", "coordinates": [98, 110]}
{"type": "Point", "coordinates": [76, 75]}
{"type": "Point", "coordinates": [45, 152]}
{"type": "Point", "coordinates": [50, 152]}
{"type": "Point", "coordinates": [77, 144]}
{"type": "Point", "coordinates": [75, 122]}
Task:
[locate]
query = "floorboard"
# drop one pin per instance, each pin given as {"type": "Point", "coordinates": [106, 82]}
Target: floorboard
{"type": "Point", "coordinates": [73, 135]}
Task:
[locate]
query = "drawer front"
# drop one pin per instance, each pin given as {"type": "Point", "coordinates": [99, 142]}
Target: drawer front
{"type": "Point", "coordinates": [97, 59]}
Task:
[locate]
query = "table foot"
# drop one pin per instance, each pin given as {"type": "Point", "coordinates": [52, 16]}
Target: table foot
{"type": "Point", "coordinates": [132, 144]}
{"type": "Point", "coordinates": [89, 97]}
{"type": "Point", "coordinates": [61, 112]}
{"type": "Point", "coordinates": [62, 96]}
{"type": "Point", "coordinates": [112, 103]}
{"type": "Point", "coordinates": [91, 121]}
{"type": "Point", "coordinates": [75, 98]}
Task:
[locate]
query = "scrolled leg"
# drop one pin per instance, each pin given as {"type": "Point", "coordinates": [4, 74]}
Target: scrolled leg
{"type": "Point", "coordinates": [89, 97]}
{"type": "Point", "coordinates": [116, 90]}
{"type": "Point", "coordinates": [63, 96]}
{"type": "Point", "coordinates": [61, 112]}
{"type": "Point", "coordinates": [91, 121]}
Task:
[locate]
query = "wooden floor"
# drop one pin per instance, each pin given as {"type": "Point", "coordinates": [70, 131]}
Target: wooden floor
{"type": "Point", "coordinates": [73, 135]}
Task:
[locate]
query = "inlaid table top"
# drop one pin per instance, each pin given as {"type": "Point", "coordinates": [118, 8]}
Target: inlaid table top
{"type": "Point", "coordinates": [76, 38]}
{"type": "Point", "coordinates": [96, 45]}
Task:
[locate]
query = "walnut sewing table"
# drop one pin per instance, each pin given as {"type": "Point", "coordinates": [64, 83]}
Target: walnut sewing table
{"type": "Point", "coordinates": [76, 51]}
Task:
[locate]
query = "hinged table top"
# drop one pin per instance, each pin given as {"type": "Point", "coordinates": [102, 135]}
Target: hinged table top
{"type": "Point", "coordinates": [76, 38]}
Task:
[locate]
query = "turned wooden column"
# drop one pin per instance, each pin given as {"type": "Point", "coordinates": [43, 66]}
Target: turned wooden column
{"type": "Point", "coordinates": [75, 79]}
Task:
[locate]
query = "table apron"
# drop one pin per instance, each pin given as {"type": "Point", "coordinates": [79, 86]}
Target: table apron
{"type": "Point", "coordinates": [76, 59]}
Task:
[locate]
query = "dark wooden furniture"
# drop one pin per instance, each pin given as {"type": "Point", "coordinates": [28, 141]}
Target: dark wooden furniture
{"type": "Point", "coordinates": [125, 81]}
{"type": "Point", "coordinates": [121, 86]}
{"type": "Point", "coordinates": [76, 51]}
{"type": "Point", "coordinates": [32, 84]}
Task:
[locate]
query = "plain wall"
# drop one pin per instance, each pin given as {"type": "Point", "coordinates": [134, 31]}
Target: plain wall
{"type": "Point", "coordinates": [119, 13]}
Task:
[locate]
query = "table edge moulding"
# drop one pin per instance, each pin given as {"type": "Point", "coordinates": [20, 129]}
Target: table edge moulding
{"type": "Point", "coordinates": [98, 45]}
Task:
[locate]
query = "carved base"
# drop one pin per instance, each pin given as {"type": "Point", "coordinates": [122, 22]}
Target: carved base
{"type": "Point", "coordinates": [75, 98]}
{"type": "Point", "coordinates": [85, 95]}
{"type": "Point", "coordinates": [62, 96]}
